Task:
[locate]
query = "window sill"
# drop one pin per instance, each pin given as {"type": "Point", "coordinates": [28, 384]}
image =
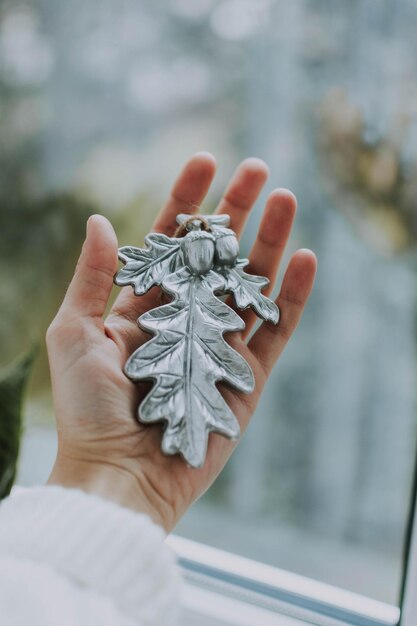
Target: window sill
{"type": "Point", "coordinates": [229, 590]}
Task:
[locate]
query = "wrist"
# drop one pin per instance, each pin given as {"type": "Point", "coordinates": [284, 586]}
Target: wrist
{"type": "Point", "coordinates": [109, 482]}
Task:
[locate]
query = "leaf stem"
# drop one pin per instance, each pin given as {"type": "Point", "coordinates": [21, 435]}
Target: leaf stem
{"type": "Point", "coordinates": [189, 346]}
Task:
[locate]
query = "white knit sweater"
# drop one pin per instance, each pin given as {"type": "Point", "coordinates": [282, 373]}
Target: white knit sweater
{"type": "Point", "coordinates": [73, 559]}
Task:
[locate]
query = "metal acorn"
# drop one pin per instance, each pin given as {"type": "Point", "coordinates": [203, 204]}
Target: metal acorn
{"type": "Point", "coordinates": [227, 247]}
{"type": "Point", "coordinates": [197, 249]}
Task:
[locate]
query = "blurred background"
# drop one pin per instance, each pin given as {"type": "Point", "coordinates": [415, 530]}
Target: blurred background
{"type": "Point", "coordinates": [101, 104]}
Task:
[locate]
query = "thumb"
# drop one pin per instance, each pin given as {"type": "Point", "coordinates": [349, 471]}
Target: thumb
{"type": "Point", "coordinates": [89, 290]}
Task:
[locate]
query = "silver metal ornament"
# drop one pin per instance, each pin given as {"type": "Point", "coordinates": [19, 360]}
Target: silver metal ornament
{"type": "Point", "coordinates": [188, 356]}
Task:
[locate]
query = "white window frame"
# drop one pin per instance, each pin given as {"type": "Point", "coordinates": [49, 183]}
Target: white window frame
{"type": "Point", "coordinates": [224, 589]}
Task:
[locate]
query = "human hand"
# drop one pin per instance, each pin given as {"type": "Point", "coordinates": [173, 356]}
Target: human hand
{"type": "Point", "coordinates": [101, 446]}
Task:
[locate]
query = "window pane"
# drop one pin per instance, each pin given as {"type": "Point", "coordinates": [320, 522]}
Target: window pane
{"type": "Point", "coordinates": [99, 107]}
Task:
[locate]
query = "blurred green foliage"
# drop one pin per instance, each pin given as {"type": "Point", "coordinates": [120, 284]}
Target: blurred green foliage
{"type": "Point", "coordinates": [13, 383]}
{"type": "Point", "coordinates": [39, 243]}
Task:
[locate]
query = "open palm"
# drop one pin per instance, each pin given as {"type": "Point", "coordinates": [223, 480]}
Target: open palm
{"type": "Point", "coordinates": [102, 447]}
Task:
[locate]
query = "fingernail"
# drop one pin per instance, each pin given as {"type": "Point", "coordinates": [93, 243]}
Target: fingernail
{"type": "Point", "coordinates": [87, 225]}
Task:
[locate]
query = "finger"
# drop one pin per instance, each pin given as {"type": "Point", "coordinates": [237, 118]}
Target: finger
{"type": "Point", "coordinates": [269, 340]}
{"type": "Point", "coordinates": [188, 192]}
{"type": "Point", "coordinates": [242, 192]}
{"type": "Point", "coordinates": [89, 290]}
{"type": "Point", "coordinates": [266, 254]}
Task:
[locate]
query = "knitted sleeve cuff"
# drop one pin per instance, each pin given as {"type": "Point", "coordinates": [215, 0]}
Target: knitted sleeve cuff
{"type": "Point", "coordinates": [98, 544]}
